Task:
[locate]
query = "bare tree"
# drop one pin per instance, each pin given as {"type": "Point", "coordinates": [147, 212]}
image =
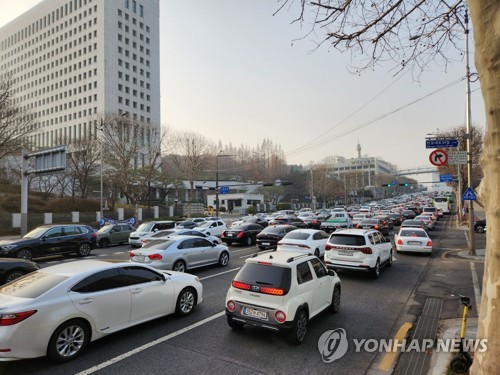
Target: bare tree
{"type": "Point", "coordinates": [15, 124]}
{"type": "Point", "coordinates": [416, 33]}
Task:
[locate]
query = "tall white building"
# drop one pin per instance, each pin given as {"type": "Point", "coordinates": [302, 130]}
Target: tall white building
{"type": "Point", "coordinates": [75, 60]}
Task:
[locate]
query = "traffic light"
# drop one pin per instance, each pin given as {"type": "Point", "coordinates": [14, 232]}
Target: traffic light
{"type": "Point", "coordinates": [405, 184]}
{"type": "Point", "coordinates": [386, 185]}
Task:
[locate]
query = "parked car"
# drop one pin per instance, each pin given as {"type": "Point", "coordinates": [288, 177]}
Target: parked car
{"type": "Point", "coordinates": [54, 303]}
{"type": "Point", "coordinates": [480, 226]}
{"type": "Point", "coordinates": [51, 240]}
{"type": "Point", "coordinates": [212, 227]}
{"type": "Point", "coordinates": [11, 269]}
{"type": "Point", "coordinates": [243, 234]}
{"type": "Point", "coordinates": [148, 229]}
{"type": "Point", "coordinates": [358, 249]}
{"type": "Point", "coordinates": [288, 220]}
{"type": "Point", "coordinates": [187, 224]}
{"type": "Point", "coordinates": [282, 291]}
{"type": "Point", "coordinates": [260, 220]}
{"type": "Point", "coordinates": [165, 234]}
{"type": "Point", "coordinates": [114, 234]}
{"type": "Point", "coordinates": [181, 253]}
{"type": "Point", "coordinates": [376, 224]}
{"type": "Point", "coordinates": [269, 237]}
{"type": "Point", "coordinates": [413, 240]}
{"type": "Point", "coordinates": [309, 241]}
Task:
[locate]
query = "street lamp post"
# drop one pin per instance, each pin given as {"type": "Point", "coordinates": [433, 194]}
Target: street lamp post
{"type": "Point", "coordinates": [219, 155]}
{"type": "Point", "coordinates": [101, 211]}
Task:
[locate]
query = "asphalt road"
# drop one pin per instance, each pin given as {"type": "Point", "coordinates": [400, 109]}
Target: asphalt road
{"type": "Point", "coordinates": [203, 343]}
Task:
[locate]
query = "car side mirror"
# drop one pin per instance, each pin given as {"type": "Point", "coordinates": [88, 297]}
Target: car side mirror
{"type": "Point", "coordinates": [331, 272]}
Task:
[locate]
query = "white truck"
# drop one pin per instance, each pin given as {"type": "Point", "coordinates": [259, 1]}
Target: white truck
{"type": "Point", "coordinates": [338, 220]}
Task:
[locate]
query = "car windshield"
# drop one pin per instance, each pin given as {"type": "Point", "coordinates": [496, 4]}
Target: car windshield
{"type": "Point", "coordinates": [295, 235]}
{"type": "Point", "coordinates": [272, 230]}
{"type": "Point", "coordinates": [32, 285]}
{"type": "Point", "coordinates": [36, 233]}
{"type": "Point", "coordinates": [265, 275]}
{"type": "Point", "coordinates": [412, 233]}
{"type": "Point", "coordinates": [145, 227]}
{"type": "Point", "coordinates": [369, 222]}
{"type": "Point", "coordinates": [347, 240]}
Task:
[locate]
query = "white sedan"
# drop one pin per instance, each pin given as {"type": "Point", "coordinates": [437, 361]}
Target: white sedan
{"type": "Point", "coordinates": [413, 239]}
{"type": "Point", "coordinates": [164, 234]}
{"type": "Point", "coordinates": [58, 310]}
{"type": "Point", "coordinates": [311, 241]}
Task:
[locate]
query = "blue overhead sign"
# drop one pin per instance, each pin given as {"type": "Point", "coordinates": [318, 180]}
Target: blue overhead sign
{"type": "Point", "coordinates": [469, 195]}
{"type": "Point", "coordinates": [224, 189]}
{"type": "Point", "coordinates": [445, 178]}
{"type": "Point", "coordinates": [441, 143]}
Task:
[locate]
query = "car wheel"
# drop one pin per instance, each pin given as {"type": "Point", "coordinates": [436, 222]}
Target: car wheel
{"type": "Point", "coordinates": [25, 254]}
{"type": "Point", "coordinates": [228, 243]}
{"type": "Point", "coordinates": [104, 242]}
{"type": "Point", "coordinates": [389, 261]}
{"type": "Point", "coordinates": [185, 302]}
{"type": "Point", "coordinates": [224, 259]}
{"type": "Point", "coordinates": [68, 341]}
{"type": "Point", "coordinates": [84, 250]}
{"type": "Point", "coordinates": [299, 330]}
{"type": "Point", "coordinates": [14, 275]}
{"type": "Point", "coordinates": [179, 266]}
{"type": "Point", "coordinates": [316, 253]}
{"type": "Point", "coordinates": [376, 270]}
{"type": "Point", "coordinates": [249, 241]}
{"type": "Point", "coordinates": [479, 229]}
{"type": "Point", "coordinates": [335, 305]}
{"type": "Point", "coordinates": [237, 326]}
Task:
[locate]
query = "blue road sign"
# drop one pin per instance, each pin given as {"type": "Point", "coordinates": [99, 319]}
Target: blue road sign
{"type": "Point", "coordinates": [394, 183]}
{"type": "Point", "coordinates": [224, 189]}
{"type": "Point", "coordinates": [469, 195]}
{"type": "Point", "coordinates": [441, 143]}
{"type": "Point", "coordinates": [445, 178]}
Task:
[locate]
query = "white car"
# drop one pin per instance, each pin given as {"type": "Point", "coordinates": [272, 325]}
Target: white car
{"type": "Point", "coordinates": [164, 234]}
{"type": "Point", "coordinates": [212, 227]}
{"type": "Point", "coordinates": [414, 240]}
{"type": "Point", "coordinates": [148, 229]}
{"type": "Point", "coordinates": [309, 241]}
{"type": "Point", "coordinates": [58, 310]}
{"type": "Point", "coordinates": [281, 291]}
{"type": "Point", "coordinates": [180, 253]}
{"type": "Point", "coordinates": [358, 249]}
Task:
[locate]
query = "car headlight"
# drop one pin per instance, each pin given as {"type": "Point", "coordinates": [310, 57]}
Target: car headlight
{"type": "Point", "coordinates": [8, 247]}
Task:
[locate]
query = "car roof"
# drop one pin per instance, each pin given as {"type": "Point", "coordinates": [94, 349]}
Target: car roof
{"type": "Point", "coordinates": [279, 257]}
{"type": "Point", "coordinates": [357, 232]}
{"type": "Point", "coordinates": [81, 266]}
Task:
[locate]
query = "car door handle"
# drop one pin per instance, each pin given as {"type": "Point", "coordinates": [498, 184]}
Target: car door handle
{"type": "Point", "coordinates": [136, 291]}
{"type": "Point", "coordinates": [86, 301]}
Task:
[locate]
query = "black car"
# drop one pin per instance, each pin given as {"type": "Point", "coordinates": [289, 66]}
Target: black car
{"type": "Point", "coordinates": [281, 220]}
{"type": "Point", "coordinates": [377, 224]}
{"type": "Point", "coordinates": [408, 214]}
{"type": "Point", "coordinates": [11, 269]}
{"type": "Point", "coordinates": [244, 234]}
{"type": "Point", "coordinates": [386, 219]}
{"type": "Point", "coordinates": [255, 220]}
{"type": "Point", "coordinates": [51, 240]}
{"type": "Point", "coordinates": [270, 236]}
{"type": "Point", "coordinates": [397, 219]}
{"type": "Point", "coordinates": [480, 226]}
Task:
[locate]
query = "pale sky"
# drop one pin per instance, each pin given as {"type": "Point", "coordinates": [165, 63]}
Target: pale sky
{"type": "Point", "coordinates": [235, 73]}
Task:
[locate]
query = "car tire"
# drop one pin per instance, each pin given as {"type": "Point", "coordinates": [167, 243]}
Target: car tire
{"type": "Point", "coordinates": [14, 275]}
{"type": "Point", "coordinates": [25, 254]}
{"type": "Point", "coordinates": [179, 266]}
{"type": "Point", "coordinates": [479, 229]}
{"type": "Point", "coordinates": [224, 259]}
{"type": "Point", "coordinates": [316, 253]}
{"type": "Point", "coordinates": [228, 243]}
{"type": "Point", "coordinates": [389, 261]}
{"type": "Point", "coordinates": [185, 302]}
{"type": "Point", "coordinates": [249, 241]}
{"type": "Point", "coordinates": [298, 333]}
{"type": "Point", "coordinates": [68, 341]}
{"type": "Point", "coordinates": [375, 271]}
{"type": "Point", "coordinates": [236, 326]}
{"type": "Point", "coordinates": [335, 305]}
{"type": "Point", "coordinates": [104, 243]}
{"type": "Point", "coordinates": [84, 250]}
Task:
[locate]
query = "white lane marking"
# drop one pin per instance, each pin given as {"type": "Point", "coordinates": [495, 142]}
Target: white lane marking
{"type": "Point", "coordinates": [239, 251]}
{"type": "Point", "coordinates": [475, 285]}
{"type": "Point", "coordinates": [150, 344]}
{"type": "Point", "coordinates": [220, 273]}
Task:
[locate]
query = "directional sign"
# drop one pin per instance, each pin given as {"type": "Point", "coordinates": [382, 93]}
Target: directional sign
{"type": "Point", "coordinates": [224, 189]}
{"type": "Point", "coordinates": [394, 183]}
{"type": "Point", "coordinates": [441, 143]}
{"type": "Point", "coordinates": [469, 195]}
{"type": "Point", "coordinates": [457, 157]}
{"type": "Point", "coordinates": [445, 178]}
{"type": "Point", "coordinates": [438, 157]}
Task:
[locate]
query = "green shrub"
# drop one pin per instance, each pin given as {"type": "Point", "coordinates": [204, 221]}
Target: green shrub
{"type": "Point", "coordinates": [251, 210]}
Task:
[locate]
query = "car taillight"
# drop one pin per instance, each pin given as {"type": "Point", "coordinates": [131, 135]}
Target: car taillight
{"type": "Point", "coordinates": [429, 243]}
{"type": "Point", "coordinates": [280, 316]}
{"type": "Point", "coordinates": [365, 250]}
{"type": "Point", "coordinates": [223, 234]}
{"type": "Point", "coordinates": [155, 257]}
{"type": "Point", "coordinates": [239, 235]}
{"type": "Point", "coordinates": [240, 285]}
{"type": "Point", "coordinates": [94, 235]}
{"type": "Point", "coordinates": [265, 263]}
{"type": "Point", "coordinates": [400, 242]}
{"type": "Point", "coordinates": [329, 246]}
{"type": "Point", "coordinates": [131, 254]}
{"type": "Point", "coordinates": [273, 291]}
{"type": "Point", "coordinates": [358, 226]}
{"type": "Point", "coordinates": [375, 227]}
{"type": "Point", "coordinates": [231, 306]}
{"type": "Point", "coordinates": [14, 318]}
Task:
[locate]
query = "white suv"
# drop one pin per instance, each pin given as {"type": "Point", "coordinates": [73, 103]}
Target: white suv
{"type": "Point", "coordinates": [358, 249]}
{"type": "Point", "coordinates": [212, 227]}
{"type": "Point", "coordinates": [281, 291]}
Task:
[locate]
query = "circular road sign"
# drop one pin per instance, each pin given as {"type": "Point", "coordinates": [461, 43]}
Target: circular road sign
{"type": "Point", "coordinates": [277, 182]}
{"type": "Point", "coordinates": [438, 157]}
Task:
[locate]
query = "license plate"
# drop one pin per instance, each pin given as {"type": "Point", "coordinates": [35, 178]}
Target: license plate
{"type": "Point", "coordinates": [247, 311]}
{"type": "Point", "coordinates": [229, 235]}
{"type": "Point", "coordinates": [413, 243]}
{"type": "Point", "coordinates": [345, 253]}
{"type": "Point", "coordinates": [139, 258]}
{"type": "Point", "coordinates": [366, 227]}
{"type": "Point", "coordinates": [266, 243]}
